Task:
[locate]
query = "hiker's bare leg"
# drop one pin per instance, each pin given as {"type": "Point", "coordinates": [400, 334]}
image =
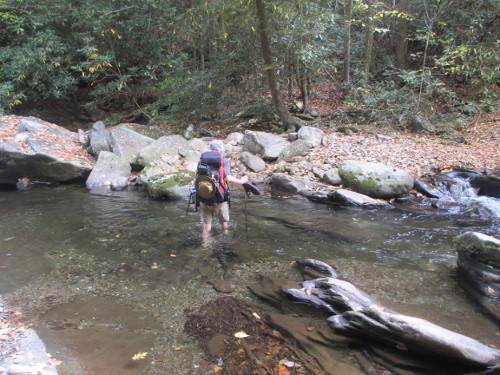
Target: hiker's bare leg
{"type": "Point", "coordinates": [206, 230]}
{"type": "Point", "coordinates": [224, 226]}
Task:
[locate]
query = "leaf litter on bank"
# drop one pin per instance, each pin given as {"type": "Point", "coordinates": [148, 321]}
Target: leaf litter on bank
{"type": "Point", "coordinates": [236, 342]}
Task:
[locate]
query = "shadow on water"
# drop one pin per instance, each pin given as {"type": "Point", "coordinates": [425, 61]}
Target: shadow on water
{"type": "Point", "coordinates": [107, 276]}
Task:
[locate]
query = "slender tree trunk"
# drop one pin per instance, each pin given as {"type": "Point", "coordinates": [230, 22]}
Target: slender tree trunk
{"type": "Point", "coordinates": [368, 43]}
{"type": "Point", "coordinates": [347, 42]}
{"type": "Point", "coordinates": [304, 89]}
{"type": "Point", "coordinates": [402, 35]}
{"type": "Point", "coordinates": [288, 122]}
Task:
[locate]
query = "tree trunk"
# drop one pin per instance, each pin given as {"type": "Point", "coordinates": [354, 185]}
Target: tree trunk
{"type": "Point", "coordinates": [304, 90]}
{"type": "Point", "coordinates": [347, 42]}
{"type": "Point", "coordinates": [402, 36]}
{"type": "Point", "coordinates": [368, 42]}
{"type": "Point", "coordinates": [288, 122]}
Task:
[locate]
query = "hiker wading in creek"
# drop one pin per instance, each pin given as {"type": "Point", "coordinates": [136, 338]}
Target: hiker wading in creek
{"type": "Point", "coordinates": [212, 189]}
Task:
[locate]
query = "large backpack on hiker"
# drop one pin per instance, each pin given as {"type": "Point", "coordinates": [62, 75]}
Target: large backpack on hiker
{"type": "Point", "coordinates": [210, 171]}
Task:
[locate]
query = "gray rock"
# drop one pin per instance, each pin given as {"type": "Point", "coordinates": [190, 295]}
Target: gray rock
{"type": "Point", "coordinates": [198, 145]}
{"type": "Point", "coordinates": [98, 138]}
{"type": "Point", "coordinates": [253, 162]}
{"type": "Point", "coordinates": [110, 172]}
{"type": "Point", "coordinates": [320, 196]}
{"type": "Point", "coordinates": [375, 180]}
{"type": "Point", "coordinates": [351, 198]}
{"type": "Point", "coordinates": [268, 146]}
{"type": "Point", "coordinates": [420, 124]}
{"type": "Point", "coordinates": [83, 138]}
{"type": "Point", "coordinates": [299, 147]}
{"type": "Point", "coordinates": [332, 177]}
{"type": "Point", "coordinates": [311, 134]}
{"type": "Point", "coordinates": [235, 138]}
{"type": "Point", "coordinates": [166, 147]}
{"type": "Point", "coordinates": [127, 144]}
{"type": "Point", "coordinates": [29, 155]}
{"type": "Point", "coordinates": [290, 184]}
{"type": "Point", "coordinates": [191, 160]}
{"type": "Point", "coordinates": [188, 133]}
{"type": "Point", "coordinates": [487, 185]}
{"type": "Point", "coordinates": [171, 186]}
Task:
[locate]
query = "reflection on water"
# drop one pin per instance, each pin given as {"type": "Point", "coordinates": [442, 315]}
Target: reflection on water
{"type": "Point", "coordinates": [404, 258]}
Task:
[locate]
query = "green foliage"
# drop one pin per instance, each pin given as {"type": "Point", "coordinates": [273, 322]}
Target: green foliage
{"type": "Point", "coordinates": [191, 60]}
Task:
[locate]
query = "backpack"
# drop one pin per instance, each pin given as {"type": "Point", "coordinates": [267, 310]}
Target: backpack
{"type": "Point", "coordinates": [211, 164]}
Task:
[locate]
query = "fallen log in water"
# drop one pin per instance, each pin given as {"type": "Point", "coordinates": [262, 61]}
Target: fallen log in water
{"type": "Point", "coordinates": [358, 314]}
{"type": "Point", "coordinates": [415, 336]}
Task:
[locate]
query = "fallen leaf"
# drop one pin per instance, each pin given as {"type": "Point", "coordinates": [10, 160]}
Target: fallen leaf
{"type": "Point", "coordinates": [54, 362]}
{"type": "Point", "coordinates": [491, 290]}
{"type": "Point", "coordinates": [241, 335]}
{"type": "Point", "coordinates": [139, 356]}
{"type": "Point", "coordinates": [217, 369]}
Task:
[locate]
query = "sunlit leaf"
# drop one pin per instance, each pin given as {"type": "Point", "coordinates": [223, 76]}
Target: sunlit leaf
{"type": "Point", "coordinates": [140, 355]}
{"type": "Point", "coordinates": [241, 335]}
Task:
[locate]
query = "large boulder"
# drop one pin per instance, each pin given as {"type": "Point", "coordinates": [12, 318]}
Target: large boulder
{"type": "Point", "coordinates": [268, 146]}
{"type": "Point", "coordinates": [110, 172]}
{"type": "Point", "coordinates": [375, 180]}
{"type": "Point", "coordinates": [487, 185]}
{"type": "Point", "coordinates": [171, 186]}
{"type": "Point", "coordinates": [311, 135]}
{"type": "Point", "coordinates": [127, 144]}
{"type": "Point", "coordinates": [168, 146]}
{"type": "Point", "coordinates": [478, 264]}
{"type": "Point", "coordinates": [40, 151]}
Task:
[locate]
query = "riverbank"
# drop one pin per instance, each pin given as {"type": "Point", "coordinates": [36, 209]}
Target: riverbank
{"type": "Point", "coordinates": [422, 155]}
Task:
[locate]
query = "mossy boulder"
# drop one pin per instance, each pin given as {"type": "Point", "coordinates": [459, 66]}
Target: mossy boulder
{"type": "Point", "coordinates": [170, 186]}
{"type": "Point", "coordinates": [375, 180]}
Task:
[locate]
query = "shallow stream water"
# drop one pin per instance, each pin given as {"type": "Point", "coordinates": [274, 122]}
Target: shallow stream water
{"type": "Point", "coordinates": [104, 277]}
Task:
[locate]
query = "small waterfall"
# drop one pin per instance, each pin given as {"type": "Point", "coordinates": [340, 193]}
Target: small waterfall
{"type": "Point", "coordinates": [460, 196]}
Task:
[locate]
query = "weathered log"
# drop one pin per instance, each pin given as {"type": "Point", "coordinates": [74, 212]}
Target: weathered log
{"type": "Point", "coordinates": [342, 295]}
{"type": "Point", "coordinates": [310, 299]}
{"type": "Point", "coordinates": [320, 266]}
{"type": "Point", "coordinates": [415, 336]}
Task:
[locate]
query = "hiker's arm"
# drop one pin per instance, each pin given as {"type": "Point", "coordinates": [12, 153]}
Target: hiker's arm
{"type": "Point", "coordinates": [236, 180]}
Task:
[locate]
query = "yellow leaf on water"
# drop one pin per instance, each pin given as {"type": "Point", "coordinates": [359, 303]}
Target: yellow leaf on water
{"type": "Point", "coordinates": [139, 356]}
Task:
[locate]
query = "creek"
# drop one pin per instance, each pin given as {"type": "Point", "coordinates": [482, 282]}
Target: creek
{"type": "Point", "coordinates": [105, 276]}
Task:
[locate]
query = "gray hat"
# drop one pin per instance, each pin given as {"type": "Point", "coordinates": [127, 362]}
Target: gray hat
{"type": "Point", "coordinates": [217, 145]}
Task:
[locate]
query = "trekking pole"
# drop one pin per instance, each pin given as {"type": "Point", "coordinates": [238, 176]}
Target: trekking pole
{"type": "Point", "coordinates": [250, 188]}
{"type": "Point", "coordinates": [246, 218]}
{"type": "Point", "coordinates": [191, 198]}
